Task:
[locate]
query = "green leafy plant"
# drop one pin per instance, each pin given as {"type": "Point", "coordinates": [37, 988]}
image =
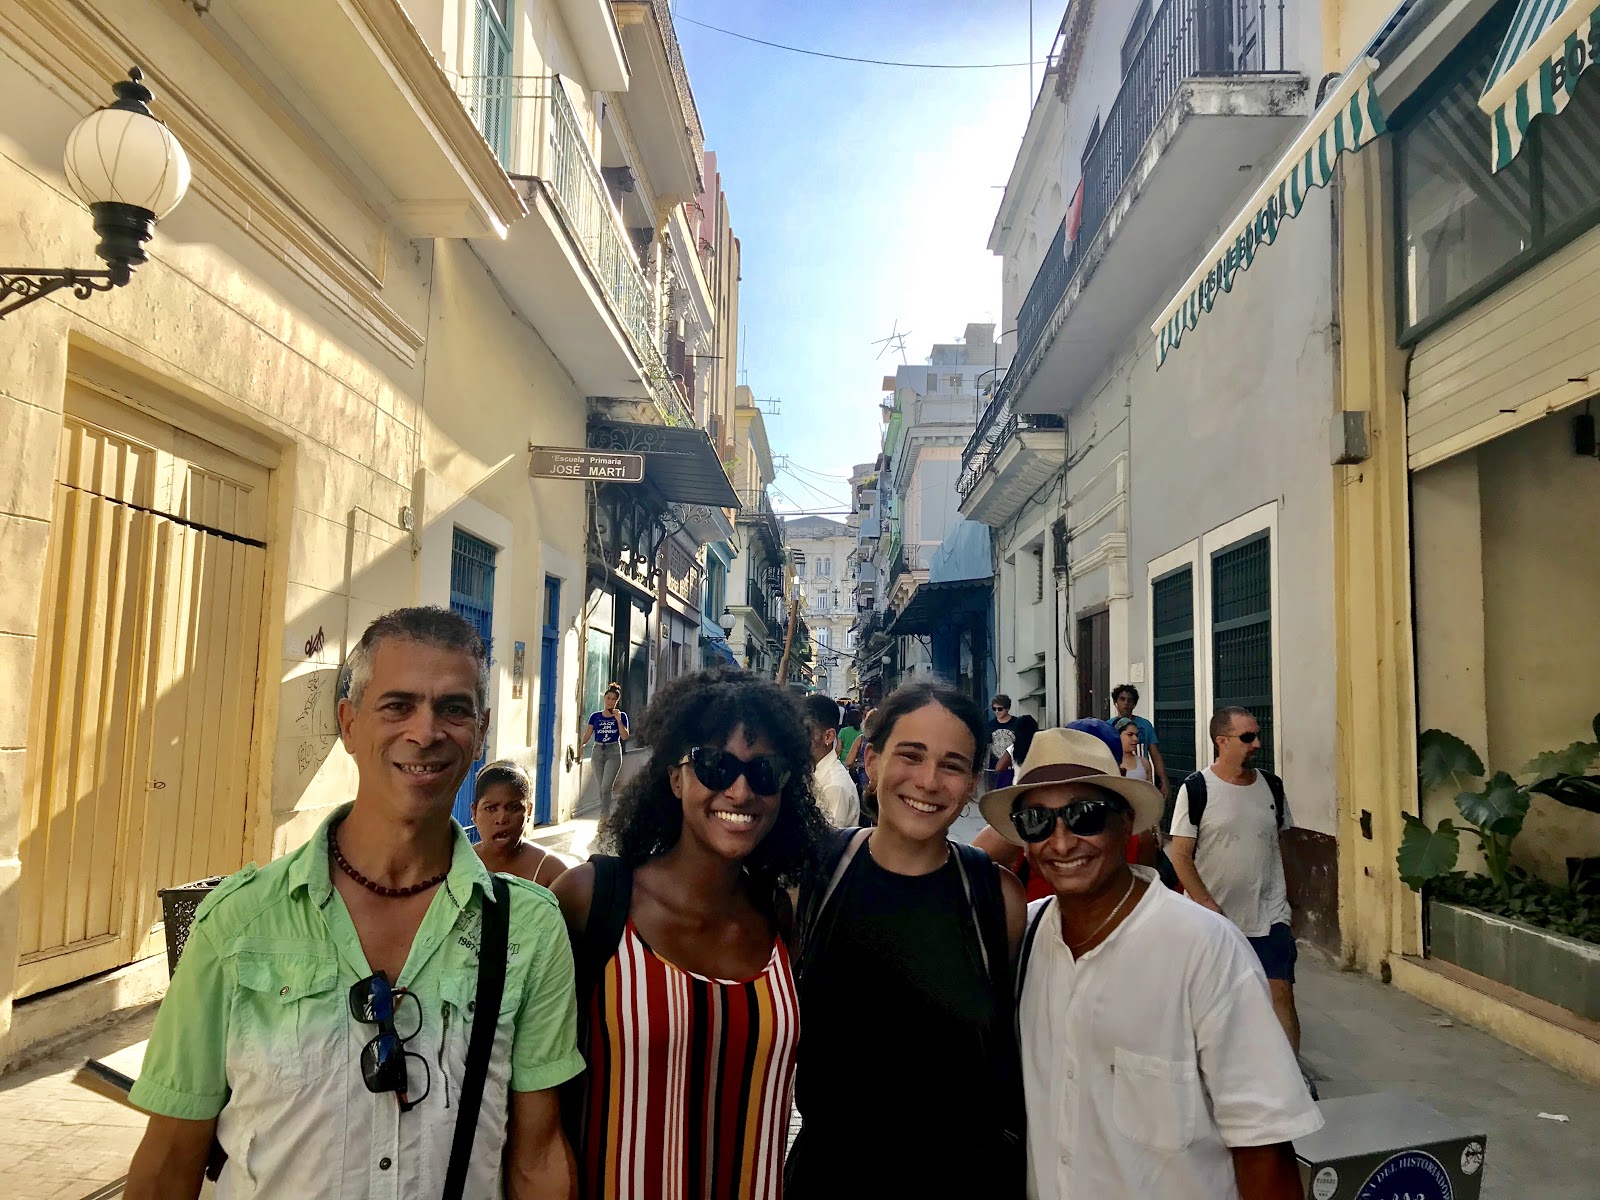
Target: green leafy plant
{"type": "Point", "coordinates": [1494, 810]}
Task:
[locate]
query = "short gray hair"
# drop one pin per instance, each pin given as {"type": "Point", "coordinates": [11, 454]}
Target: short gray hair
{"type": "Point", "coordinates": [430, 626]}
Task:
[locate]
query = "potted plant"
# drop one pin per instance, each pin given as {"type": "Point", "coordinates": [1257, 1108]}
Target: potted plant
{"type": "Point", "coordinates": [1508, 925]}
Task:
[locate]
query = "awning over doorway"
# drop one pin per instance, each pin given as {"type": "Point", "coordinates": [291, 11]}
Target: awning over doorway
{"type": "Point", "coordinates": [1549, 44]}
{"type": "Point", "coordinates": [718, 651]}
{"type": "Point", "coordinates": [1347, 120]}
{"type": "Point", "coordinates": [938, 606]}
{"type": "Point", "coordinates": [679, 462]}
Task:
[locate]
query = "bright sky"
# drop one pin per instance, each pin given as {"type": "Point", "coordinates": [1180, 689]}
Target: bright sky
{"type": "Point", "coordinates": [862, 196]}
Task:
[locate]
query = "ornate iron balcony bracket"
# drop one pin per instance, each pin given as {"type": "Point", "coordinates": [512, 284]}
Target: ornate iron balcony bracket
{"type": "Point", "coordinates": [27, 284]}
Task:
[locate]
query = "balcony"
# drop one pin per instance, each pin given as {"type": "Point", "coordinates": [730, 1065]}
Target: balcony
{"type": "Point", "coordinates": [658, 104]}
{"type": "Point", "coordinates": [364, 68]}
{"type": "Point", "coordinates": [761, 602]}
{"type": "Point", "coordinates": [755, 509]}
{"type": "Point", "coordinates": [1205, 100]}
{"type": "Point", "coordinates": [1009, 458]}
{"type": "Point", "coordinates": [572, 269]}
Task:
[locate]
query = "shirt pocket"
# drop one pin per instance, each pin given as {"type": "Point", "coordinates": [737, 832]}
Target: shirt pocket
{"type": "Point", "coordinates": [290, 1019]}
{"type": "Point", "coordinates": [1154, 1101]}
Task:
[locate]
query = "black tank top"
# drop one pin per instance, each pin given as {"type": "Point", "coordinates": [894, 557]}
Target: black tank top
{"type": "Point", "coordinates": [896, 1017]}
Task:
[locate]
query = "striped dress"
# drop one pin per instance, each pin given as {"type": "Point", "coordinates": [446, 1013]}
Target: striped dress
{"type": "Point", "coordinates": [690, 1080]}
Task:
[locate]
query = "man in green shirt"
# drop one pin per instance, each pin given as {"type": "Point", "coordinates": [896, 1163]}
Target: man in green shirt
{"type": "Point", "coordinates": [257, 1042]}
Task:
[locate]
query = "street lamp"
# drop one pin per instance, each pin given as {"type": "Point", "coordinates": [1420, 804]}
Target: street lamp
{"type": "Point", "coordinates": [129, 169]}
{"type": "Point", "coordinates": [727, 620]}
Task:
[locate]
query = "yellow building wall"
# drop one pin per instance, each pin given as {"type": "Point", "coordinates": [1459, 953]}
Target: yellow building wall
{"type": "Point", "coordinates": [283, 316]}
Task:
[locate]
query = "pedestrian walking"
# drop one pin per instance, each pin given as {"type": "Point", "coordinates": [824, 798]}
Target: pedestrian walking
{"type": "Point", "coordinates": [849, 732]}
{"type": "Point", "coordinates": [907, 941]}
{"type": "Point", "coordinates": [831, 784]}
{"type": "Point", "coordinates": [1009, 739]}
{"type": "Point", "coordinates": [1124, 700]}
{"type": "Point", "coordinates": [336, 1020]}
{"type": "Point", "coordinates": [1150, 1064]}
{"type": "Point", "coordinates": [690, 1020]}
{"type": "Point", "coordinates": [855, 761]}
{"type": "Point", "coordinates": [1227, 827]}
{"type": "Point", "coordinates": [500, 815]}
{"type": "Point", "coordinates": [608, 726]}
{"type": "Point", "coordinates": [1135, 765]}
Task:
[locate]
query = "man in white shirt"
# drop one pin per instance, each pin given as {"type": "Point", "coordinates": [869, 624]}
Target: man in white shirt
{"type": "Point", "coordinates": [1231, 859]}
{"type": "Point", "coordinates": [835, 790]}
{"type": "Point", "coordinates": [1151, 1065]}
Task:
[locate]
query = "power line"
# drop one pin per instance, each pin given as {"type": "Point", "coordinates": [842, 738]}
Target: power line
{"type": "Point", "coordinates": [850, 58]}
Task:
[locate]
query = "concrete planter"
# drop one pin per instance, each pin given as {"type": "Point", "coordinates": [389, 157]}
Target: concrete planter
{"type": "Point", "coordinates": [1559, 969]}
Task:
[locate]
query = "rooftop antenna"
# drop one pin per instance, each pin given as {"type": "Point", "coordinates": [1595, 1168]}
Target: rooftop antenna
{"type": "Point", "coordinates": [895, 341]}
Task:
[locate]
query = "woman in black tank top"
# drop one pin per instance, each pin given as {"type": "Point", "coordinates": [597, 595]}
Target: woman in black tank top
{"type": "Point", "coordinates": [906, 1079]}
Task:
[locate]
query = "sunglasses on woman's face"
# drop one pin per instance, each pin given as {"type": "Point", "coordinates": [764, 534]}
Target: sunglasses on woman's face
{"type": "Point", "coordinates": [1082, 817]}
{"type": "Point", "coordinates": [717, 769]}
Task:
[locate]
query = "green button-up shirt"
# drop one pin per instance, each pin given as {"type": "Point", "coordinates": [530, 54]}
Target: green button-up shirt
{"type": "Point", "coordinates": [256, 1031]}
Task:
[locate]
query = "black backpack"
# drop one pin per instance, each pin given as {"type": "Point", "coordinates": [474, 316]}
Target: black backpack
{"type": "Point", "coordinates": [1194, 787]}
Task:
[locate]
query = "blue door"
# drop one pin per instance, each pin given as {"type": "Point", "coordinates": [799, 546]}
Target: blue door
{"type": "Point", "coordinates": [549, 651]}
{"type": "Point", "coordinates": [472, 596]}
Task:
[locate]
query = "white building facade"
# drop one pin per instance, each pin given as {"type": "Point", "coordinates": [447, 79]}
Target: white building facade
{"type": "Point", "coordinates": [1172, 527]}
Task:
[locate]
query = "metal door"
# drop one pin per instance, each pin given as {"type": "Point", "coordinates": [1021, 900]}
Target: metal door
{"type": "Point", "coordinates": [472, 596]}
{"type": "Point", "coordinates": [549, 656]}
{"type": "Point", "coordinates": [138, 763]}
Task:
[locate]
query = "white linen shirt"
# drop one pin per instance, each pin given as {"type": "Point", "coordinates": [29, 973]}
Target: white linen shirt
{"type": "Point", "coordinates": [836, 792]}
{"type": "Point", "coordinates": [1150, 1056]}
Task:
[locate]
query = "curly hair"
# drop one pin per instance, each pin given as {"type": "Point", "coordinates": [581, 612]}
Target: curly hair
{"type": "Point", "coordinates": [704, 709]}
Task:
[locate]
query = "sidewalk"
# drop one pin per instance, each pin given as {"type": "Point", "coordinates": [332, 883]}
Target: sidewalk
{"type": "Point", "coordinates": [60, 1142]}
{"type": "Point", "coordinates": [1360, 1036]}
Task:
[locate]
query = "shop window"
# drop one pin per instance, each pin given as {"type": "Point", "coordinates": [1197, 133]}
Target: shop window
{"type": "Point", "coordinates": [1569, 157]}
{"type": "Point", "coordinates": [1241, 632]}
{"type": "Point", "coordinates": [1465, 230]}
{"type": "Point", "coordinates": [1460, 221]}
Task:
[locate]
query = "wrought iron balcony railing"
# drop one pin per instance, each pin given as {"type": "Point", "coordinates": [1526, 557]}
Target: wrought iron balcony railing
{"type": "Point", "coordinates": [1187, 39]}
{"type": "Point", "coordinates": [998, 426]}
{"type": "Point", "coordinates": [534, 111]}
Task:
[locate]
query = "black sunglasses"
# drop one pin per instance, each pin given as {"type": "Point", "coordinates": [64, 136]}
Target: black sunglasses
{"type": "Point", "coordinates": [717, 769]}
{"type": "Point", "coordinates": [1247, 738]}
{"type": "Point", "coordinates": [1083, 817]}
{"type": "Point", "coordinates": [374, 1001]}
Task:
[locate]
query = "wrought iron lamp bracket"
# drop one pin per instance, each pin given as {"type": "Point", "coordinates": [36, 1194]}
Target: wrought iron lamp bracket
{"type": "Point", "coordinates": [21, 286]}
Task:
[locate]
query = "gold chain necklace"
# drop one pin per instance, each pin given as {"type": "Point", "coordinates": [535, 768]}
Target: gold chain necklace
{"type": "Point", "coordinates": [1132, 882]}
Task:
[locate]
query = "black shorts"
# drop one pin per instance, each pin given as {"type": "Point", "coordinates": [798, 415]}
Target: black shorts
{"type": "Point", "coordinates": [1277, 952]}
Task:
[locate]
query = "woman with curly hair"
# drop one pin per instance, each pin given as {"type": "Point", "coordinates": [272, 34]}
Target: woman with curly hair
{"type": "Point", "coordinates": [689, 1018]}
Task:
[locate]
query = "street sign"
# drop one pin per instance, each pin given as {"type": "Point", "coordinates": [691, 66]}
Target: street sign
{"type": "Point", "coordinates": [589, 466]}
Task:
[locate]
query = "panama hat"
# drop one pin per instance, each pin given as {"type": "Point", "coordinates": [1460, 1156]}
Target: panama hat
{"type": "Point", "coordinates": [1070, 756]}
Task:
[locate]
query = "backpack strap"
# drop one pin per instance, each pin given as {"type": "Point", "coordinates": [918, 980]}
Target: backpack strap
{"type": "Point", "coordinates": [1194, 788]}
{"type": "Point", "coordinates": [485, 1017]}
{"type": "Point", "coordinates": [608, 917]}
{"type": "Point", "coordinates": [1036, 914]}
{"type": "Point", "coordinates": [837, 855]}
{"type": "Point", "coordinates": [980, 880]}
{"type": "Point", "coordinates": [1275, 786]}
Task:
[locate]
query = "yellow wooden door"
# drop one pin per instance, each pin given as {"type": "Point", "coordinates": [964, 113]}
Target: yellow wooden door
{"type": "Point", "coordinates": [144, 695]}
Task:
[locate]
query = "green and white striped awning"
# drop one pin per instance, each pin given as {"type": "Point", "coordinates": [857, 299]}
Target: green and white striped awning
{"type": "Point", "coordinates": [1348, 119]}
{"type": "Point", "coordinates": [1548, 46]}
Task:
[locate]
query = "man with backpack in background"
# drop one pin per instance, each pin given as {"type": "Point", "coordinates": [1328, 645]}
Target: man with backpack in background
{"type": "Point", "coordinates": [1226, 824]}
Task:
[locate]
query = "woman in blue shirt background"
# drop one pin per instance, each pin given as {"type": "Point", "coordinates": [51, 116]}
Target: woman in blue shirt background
{"type": "Point", "coordinates": [609, 729]}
